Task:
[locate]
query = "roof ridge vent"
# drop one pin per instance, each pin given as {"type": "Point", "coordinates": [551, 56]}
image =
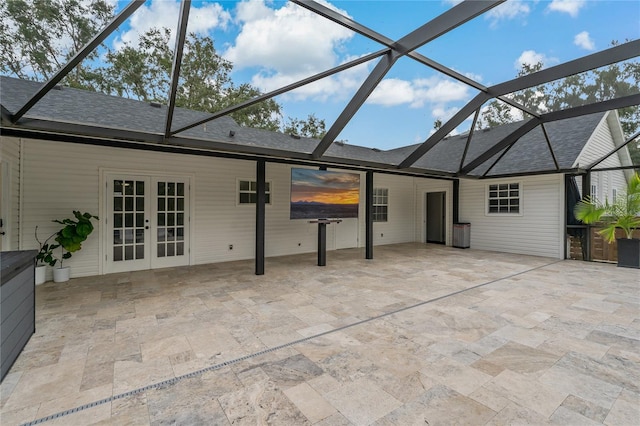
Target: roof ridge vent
{"type": "Point", "coordinates": [155, 104]}
{"type": "Point", "coordinates": [375, 149]}
{"type": "Point", "coordinates": [339, 143]}
{"type": "Point", "coordinates": [57, 87]}
{"type": "Point", "coordinates": [294, 136]}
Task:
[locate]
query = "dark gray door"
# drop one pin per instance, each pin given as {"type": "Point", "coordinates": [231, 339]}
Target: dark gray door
{"type": "Point", "coordinates": [436, 223]}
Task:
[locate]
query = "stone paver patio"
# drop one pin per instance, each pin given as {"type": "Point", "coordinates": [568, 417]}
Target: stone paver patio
{"type": "Point", "coordinates": [423, 334]}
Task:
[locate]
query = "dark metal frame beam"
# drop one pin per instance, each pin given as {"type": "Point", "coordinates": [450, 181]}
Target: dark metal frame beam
{"type": "Point", "coordinates": [466, 145]}
{"type": "Point", "coordinates": [506, 142]}
{"type": "Point", "coordinates": [552, 116]}
{"type": "Point", "coordinates": [369, 215]}
{"type": "Point", "coordinates": [606, 57]}
{"type": "Point", "coordinates": [260, 215]}
{"type": "Point", "coordinates": [500, 157]}
{"type": "Point", "coordinates": [553, 154]}
{"type": "Point", "coordinates": [77, 58]}
{"type": "Point", "coordinates": [284, 89]}
{"type": "Point", "coordinates": [185, 6]}
{"type": "Point", "coordinates": [453, 18]}
{"type": "Point", "coordinates": [613, 151]}
{"type": "Point", "coordinates": [342, 20]}
{"type": "Point", "coordinates": [96, 135]}
{"type": "Point", "coordinates": [369, 85]}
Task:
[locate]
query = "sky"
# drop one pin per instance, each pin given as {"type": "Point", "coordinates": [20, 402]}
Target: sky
{"type": "Point", "coordinates": [274, 43]}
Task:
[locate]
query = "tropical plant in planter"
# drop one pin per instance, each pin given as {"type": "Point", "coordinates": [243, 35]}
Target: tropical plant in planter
{"type": "Point", "coordinates": [69, 240]}
{"type": "Point", "coordinates": [622, 213]}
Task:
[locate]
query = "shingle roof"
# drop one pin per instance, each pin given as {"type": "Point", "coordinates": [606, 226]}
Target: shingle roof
{"type": "Point", "coordinates": [529, 154]}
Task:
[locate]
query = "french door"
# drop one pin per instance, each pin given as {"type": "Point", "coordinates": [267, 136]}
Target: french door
{"type": "Point", "coordinates": [147, 222]}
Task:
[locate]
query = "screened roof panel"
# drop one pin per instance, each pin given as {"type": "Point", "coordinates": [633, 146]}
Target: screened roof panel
{"type": "Point", "coordinates": [447, 59]}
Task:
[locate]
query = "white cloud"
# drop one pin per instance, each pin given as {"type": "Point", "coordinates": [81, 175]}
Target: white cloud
{"type": "Point", "coordinates": [337, 87]}
{"type": "Point", "coordinates": [444, 114]}
{"type": "Point", "coordinates": [286, 44]}
{"type": "Point", "coordinates": [165, 14]}
{"type": "Point", "coordinates": [416, 93]}
{"type": "Point", "coordinates": [508, 10]}
{"type": "Point", "coordinates": [584, 40]}
{"type": "Point", "coordinates": [531, 57]}
{"type": "Point", "coordinates": [572, 7]}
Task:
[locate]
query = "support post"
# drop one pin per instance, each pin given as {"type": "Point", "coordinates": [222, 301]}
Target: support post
{"type": "Point", "coordinates": [369, 215]}
{"type": "Point", "coordinates": [586, 192]}
{"type": "Point", "coordinates": [260, 216]}
{"type": "Point", "coordinates": [456, 201]}
{"type": "Point", "coordinates": [322, 244]}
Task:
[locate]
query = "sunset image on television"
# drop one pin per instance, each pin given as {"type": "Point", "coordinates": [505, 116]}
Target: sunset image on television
{"type": "Point", "coordinates": [320, 194]}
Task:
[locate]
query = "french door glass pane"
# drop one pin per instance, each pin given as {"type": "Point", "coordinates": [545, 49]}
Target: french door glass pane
{"type": "Point", "coordinates": [128, 228]}
{"type": "Point", "coordinates": [170, 223]}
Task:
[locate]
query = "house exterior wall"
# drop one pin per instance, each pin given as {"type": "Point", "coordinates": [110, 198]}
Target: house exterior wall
{"type": "Point", "coordinates": [61, 177]}
{"type": "Point", "coordinates": [10, 158]}
{"type": "Point", "coordinates": [399, 227]}
{"type": "Point", "coordinates": [601, 143]}
{"type": "Point", "coordinates": [538, 230]}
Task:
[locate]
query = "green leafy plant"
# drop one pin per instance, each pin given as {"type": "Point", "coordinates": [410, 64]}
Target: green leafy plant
{"type": "Point", "coordinates": [623, 212]}
{"type": "Point", "coordinates": [69, 239]}
{"type": "Point", "coordinates": [46, 254]}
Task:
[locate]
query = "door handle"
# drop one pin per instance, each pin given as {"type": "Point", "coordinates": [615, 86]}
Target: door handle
{"type": "Point", "coordinates": [146, 227]}
{"type": "Point", "coordinates": [2, 233]}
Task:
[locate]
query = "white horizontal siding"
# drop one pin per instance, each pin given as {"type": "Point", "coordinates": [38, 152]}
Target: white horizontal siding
{"type": "Point", "coordinates": [400, 224]}
{"type": "Point", "coordinates": [61, 177]}
{"type": "Point", "coordinates": [538, 231]}
{"type": "Point", "coordinates": [601, 143]}
{"type": "Point", "coordinates": [10, 156]}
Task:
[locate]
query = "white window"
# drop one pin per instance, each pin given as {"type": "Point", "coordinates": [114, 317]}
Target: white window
{"type": "Point", "coordinates": [380, 204]}
{"type": "Point", "coordinates": [594, 191]}
{"type": "Point", "coordinates": [247, 192]}
{"type": "Point", "coordinates": [614, 194]}
{"type": "Point", "coordinates": [504, 198]}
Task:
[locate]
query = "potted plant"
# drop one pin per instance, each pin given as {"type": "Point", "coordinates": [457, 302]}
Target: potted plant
{"type": "Point", "coordinates": [45, 256]}
{"type": "Point", "coordinates": [69, 240]}
{"type": "Point", "coordinates": [622, 213]}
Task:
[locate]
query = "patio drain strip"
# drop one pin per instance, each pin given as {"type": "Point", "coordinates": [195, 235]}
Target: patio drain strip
{"type": "Point", "coordinates": [169, 382]}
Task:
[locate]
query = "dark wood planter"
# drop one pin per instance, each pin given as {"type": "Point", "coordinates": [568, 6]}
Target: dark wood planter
{"type": "Point", "coordinates": [629, 252]}
{"type": "Point", "coordinates": [17, 304]}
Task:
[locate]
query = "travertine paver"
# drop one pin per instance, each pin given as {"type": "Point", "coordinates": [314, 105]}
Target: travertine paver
{"type": "Point", "coordinates": [539, 341]}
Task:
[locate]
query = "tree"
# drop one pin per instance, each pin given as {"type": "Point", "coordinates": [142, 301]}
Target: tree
{"type": "Point", "coordinates": [601, 84]}
{"type": "Point", "coordinates": [32, 35]}
{"type": "Point", "coordinates": [39, 37]}
{"type": "Point", "coordinates": [143, 72]}
{"type": "Point", "coordinates": [312, 127]}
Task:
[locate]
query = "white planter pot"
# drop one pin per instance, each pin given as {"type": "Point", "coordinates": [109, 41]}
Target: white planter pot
{"type": "Point", "coordinates": [61, 275]}
{"type": "Point", "coordinates": [41, 271]}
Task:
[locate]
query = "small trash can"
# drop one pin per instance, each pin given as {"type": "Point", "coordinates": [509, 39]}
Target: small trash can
{"type": "Point", "coordinates": [461, 235]}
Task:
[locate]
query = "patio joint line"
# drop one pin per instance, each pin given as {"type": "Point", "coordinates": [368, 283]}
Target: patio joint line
{"type": "Point", "coordinates": [173, 380]}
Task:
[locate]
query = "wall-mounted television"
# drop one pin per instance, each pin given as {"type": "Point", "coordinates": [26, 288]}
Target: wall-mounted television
{"type": "Point", "coordinates": [322, 194]}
